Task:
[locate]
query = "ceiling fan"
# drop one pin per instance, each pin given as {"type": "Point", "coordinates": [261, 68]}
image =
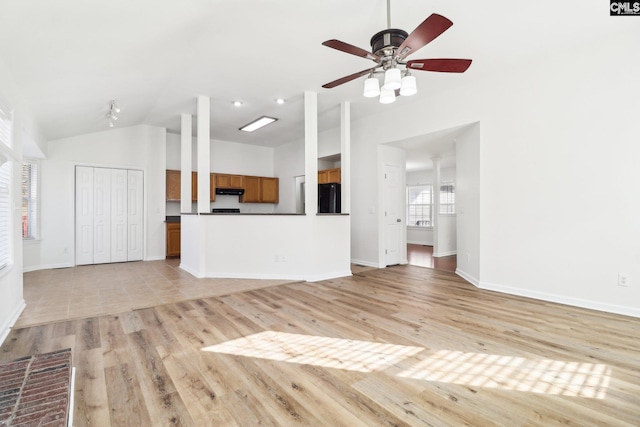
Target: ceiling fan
{"type": "Point", "coordinates": [389, 49]}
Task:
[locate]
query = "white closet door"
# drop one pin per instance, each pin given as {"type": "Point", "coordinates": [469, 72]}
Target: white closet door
{"type": "Point", "coordinates": [135, 206]}
{"type": "Point", "coordinates": [119, 215]}
{"type": "Point", "coordinates": [84, 215]}
{"type": "Point", "coordinates": [101, 215]}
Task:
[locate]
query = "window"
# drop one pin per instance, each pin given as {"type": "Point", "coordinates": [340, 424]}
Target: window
{"type": "Point", "coordinates": [6, 143]}
{"type": "Point", "coordinates": [30, 200]}
{"type": "Point", "coordinates": [6, 126]}
{"type": "Point", "coordinates": [5, 211]}
{"type": "Point", "coordinates": [419, 206]}
{"type": "Point", "coordinates": [447, 198]}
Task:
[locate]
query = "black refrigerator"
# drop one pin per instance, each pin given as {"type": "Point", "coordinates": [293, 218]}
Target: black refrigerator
{"type": "Point", "coordinates": [329, 198]}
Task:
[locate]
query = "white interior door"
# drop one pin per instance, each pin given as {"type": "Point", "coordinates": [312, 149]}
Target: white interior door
{"type": "Point", "coordinates": [394, 226]}
{"type": "Point", "coordinates": [135, 218]}
{"type": "Point", "coordinates": [101, 215]}
{"type": "Point", "coordinates": [119, 187]}
{"type": "Point", "coordinates": [84, 215]}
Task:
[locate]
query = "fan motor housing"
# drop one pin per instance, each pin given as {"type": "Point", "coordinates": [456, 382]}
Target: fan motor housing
{"type": "Point", "coordinates": [385, 42]}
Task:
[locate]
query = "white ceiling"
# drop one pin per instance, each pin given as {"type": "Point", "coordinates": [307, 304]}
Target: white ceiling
{"type": "Point", "coordinates": [70, 57]}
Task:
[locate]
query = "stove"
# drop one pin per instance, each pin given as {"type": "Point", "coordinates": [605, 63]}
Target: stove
{"type": "Point", "coordinates": [226, 210]}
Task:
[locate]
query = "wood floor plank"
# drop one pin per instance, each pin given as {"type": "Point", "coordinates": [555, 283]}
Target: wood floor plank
{"type": "Point", "coordinates": [397, 347]}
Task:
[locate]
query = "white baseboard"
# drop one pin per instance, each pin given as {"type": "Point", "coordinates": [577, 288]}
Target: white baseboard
{"type": "Point", "coordinates": [561, 299]}
{"type": "Point", "coordinates": [366, 263]}
{"type": "Point", "coordinates": [47, 267]}
{"type": "Point", "coordinates": [8, 324]}
{"type": "Point", "coordinates": [192, 272]}
{"type": "Point", "coordinates": [468, 277]}
{"type": "Point", "coordinates": [440, 254]}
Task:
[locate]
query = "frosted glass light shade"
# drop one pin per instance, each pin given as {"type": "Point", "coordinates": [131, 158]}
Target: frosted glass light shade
{"type": "Point", "coordinates": [392, 79]}
{"type": "Point", "coordinates": [387, 96]}
{"type": "Point", "coordinates": [371, 87]}
{"type": "Point", "coordinates": [409, 86]}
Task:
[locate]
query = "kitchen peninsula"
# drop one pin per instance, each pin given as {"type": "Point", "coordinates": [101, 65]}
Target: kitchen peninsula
{"type": "Point", "coordinates": [259, 243]}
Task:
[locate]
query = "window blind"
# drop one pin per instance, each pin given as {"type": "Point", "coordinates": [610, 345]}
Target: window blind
{"type": "Point", "coordinates": [5, 212]}
{"type": "Point", "coordinates": [30, 200]}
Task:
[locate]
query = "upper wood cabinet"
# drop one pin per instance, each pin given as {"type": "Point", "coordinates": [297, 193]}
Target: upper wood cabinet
{"type": "Point", "coordinates": [229, 181]}
{"type": "Point", "coordinates": [260, 189]}
{"type": "Point", "coordinates": [212, 187]}
{"type": "Point", "coordinates": [252, 190]}
{"type": "Point", "coordinates": [329, 175]}
{"type": "Point", "coordinates": [270, 190]}
{"type": "Point", "coordinates": [173, 185]}
{"type": "Point", "coordinates": [194, 186]}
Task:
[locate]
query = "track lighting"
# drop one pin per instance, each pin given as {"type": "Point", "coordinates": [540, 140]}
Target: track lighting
{"type": "Point", "coordinates": [112, 113]}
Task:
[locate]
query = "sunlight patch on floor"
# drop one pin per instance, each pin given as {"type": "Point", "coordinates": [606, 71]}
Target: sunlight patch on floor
{"type": "Point", "coordinates": [514, 373]}
{"type": "Point", "coordinates": [351, 355]}
{"type": "Point", "coordinates": [546, 376]}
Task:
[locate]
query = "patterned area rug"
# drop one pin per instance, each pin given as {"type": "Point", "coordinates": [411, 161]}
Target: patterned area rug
{"type": "Point", "coordinates": [35, 390]}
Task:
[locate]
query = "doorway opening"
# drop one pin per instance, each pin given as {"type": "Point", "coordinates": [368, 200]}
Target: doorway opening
{"type": "Point", "coordinates": [422, 256]}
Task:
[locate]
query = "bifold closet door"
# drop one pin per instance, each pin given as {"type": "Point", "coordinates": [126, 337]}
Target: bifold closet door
{"type": "Point", "coordinates": [119, 186]}
{"type": "Point", "coordinates": [84, 215]}
{"type": "Point", "coordinates": [135, 218]}
{"type": "Point", "coordinates": [109, 215]}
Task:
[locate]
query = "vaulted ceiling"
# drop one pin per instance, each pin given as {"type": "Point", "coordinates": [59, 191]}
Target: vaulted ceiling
{"type": "Point", "coordinates": [69, 58]}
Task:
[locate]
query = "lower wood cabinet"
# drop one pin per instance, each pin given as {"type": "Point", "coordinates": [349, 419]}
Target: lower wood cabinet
{"type": "Point", "coordinates": [173, 239]}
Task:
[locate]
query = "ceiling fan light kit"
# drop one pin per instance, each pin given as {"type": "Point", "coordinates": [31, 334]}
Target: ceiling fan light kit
{"type": "Point", "coordinates": [389, 48]}
{"type": "Point", "coordinates": [371, 87]}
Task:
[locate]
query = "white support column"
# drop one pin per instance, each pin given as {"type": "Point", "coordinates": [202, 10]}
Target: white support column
{"type": "Point", "coordinates": [436, 201]}
{"type": "Point", "coordinates": [345, 158]}
{"type": "Point", "coordinates": [311, 151]}
{"type": "Point", "coordinates": [185, 163]}
{"type": "Point", "coordinates": [204, 150]}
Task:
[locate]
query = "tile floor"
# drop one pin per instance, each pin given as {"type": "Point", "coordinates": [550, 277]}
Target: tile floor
{"type": "Point", "coordinates": [91, 290]}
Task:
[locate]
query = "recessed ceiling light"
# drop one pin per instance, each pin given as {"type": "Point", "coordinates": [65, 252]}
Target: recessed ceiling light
{"type": "Point", "coordinates": [257, 123]}
{"type": "Point", "coordinates": [280, 101]}
{"type": "Point", "coordinates": [237, 103]}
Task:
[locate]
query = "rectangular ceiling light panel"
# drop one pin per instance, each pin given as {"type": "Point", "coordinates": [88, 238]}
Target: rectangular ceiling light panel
{"type": "Point", "coordinates": [258, 123]}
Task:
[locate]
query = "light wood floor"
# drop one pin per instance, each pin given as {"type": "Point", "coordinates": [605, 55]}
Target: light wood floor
{"type": "Point", "coordinates": [402, 346]}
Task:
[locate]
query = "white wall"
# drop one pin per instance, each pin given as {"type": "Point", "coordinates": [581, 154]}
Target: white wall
{"type": "Point", "coordinates": [26, 133]}
{"type": "Point", "coordinates": [543, 130]}
{"type": "Point", "coordinates": [288, 163]}
{"type": "Point", "coordinates": [468, 203]}
{"type": "Point", "coordinates": [138, 147]}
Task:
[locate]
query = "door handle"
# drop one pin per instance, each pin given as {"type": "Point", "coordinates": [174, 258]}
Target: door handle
{"type": "Point", "coordinates": [398, 220]}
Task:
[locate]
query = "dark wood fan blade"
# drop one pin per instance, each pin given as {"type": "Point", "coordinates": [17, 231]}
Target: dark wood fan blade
{"type": "Point", "coordinates": [348, 78]}
{"type": "Point", "coordinates": [353, 50]}
{"type": "Point", "coordinates": [442, 65]}
{"type": "Point", "coordinates": [424, 33]}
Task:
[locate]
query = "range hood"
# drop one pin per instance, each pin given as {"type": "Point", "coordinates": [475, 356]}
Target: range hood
{"type": "Point", "coordinates": [230, 191]}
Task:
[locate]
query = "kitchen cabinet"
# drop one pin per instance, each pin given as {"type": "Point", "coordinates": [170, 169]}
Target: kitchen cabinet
{"type": "Point", "coordinates": [252, 190]}
{"type": "Point", "coordinates": [328, 176]}
{"type": "Point", "coordinates": [270, 190]}
{"type": "Point", "coordinates": [173, 239]}
{"type": "Point", "coordinates": [194, 186]}
{"type": "Point", "coordinates": [260, 189]}
{"type": "Point", "coordinates": [229, 181]}
{"type": "Point", "coordinates": [173, 186]}
{"type": "Point", "coordinates": [212, 187]}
